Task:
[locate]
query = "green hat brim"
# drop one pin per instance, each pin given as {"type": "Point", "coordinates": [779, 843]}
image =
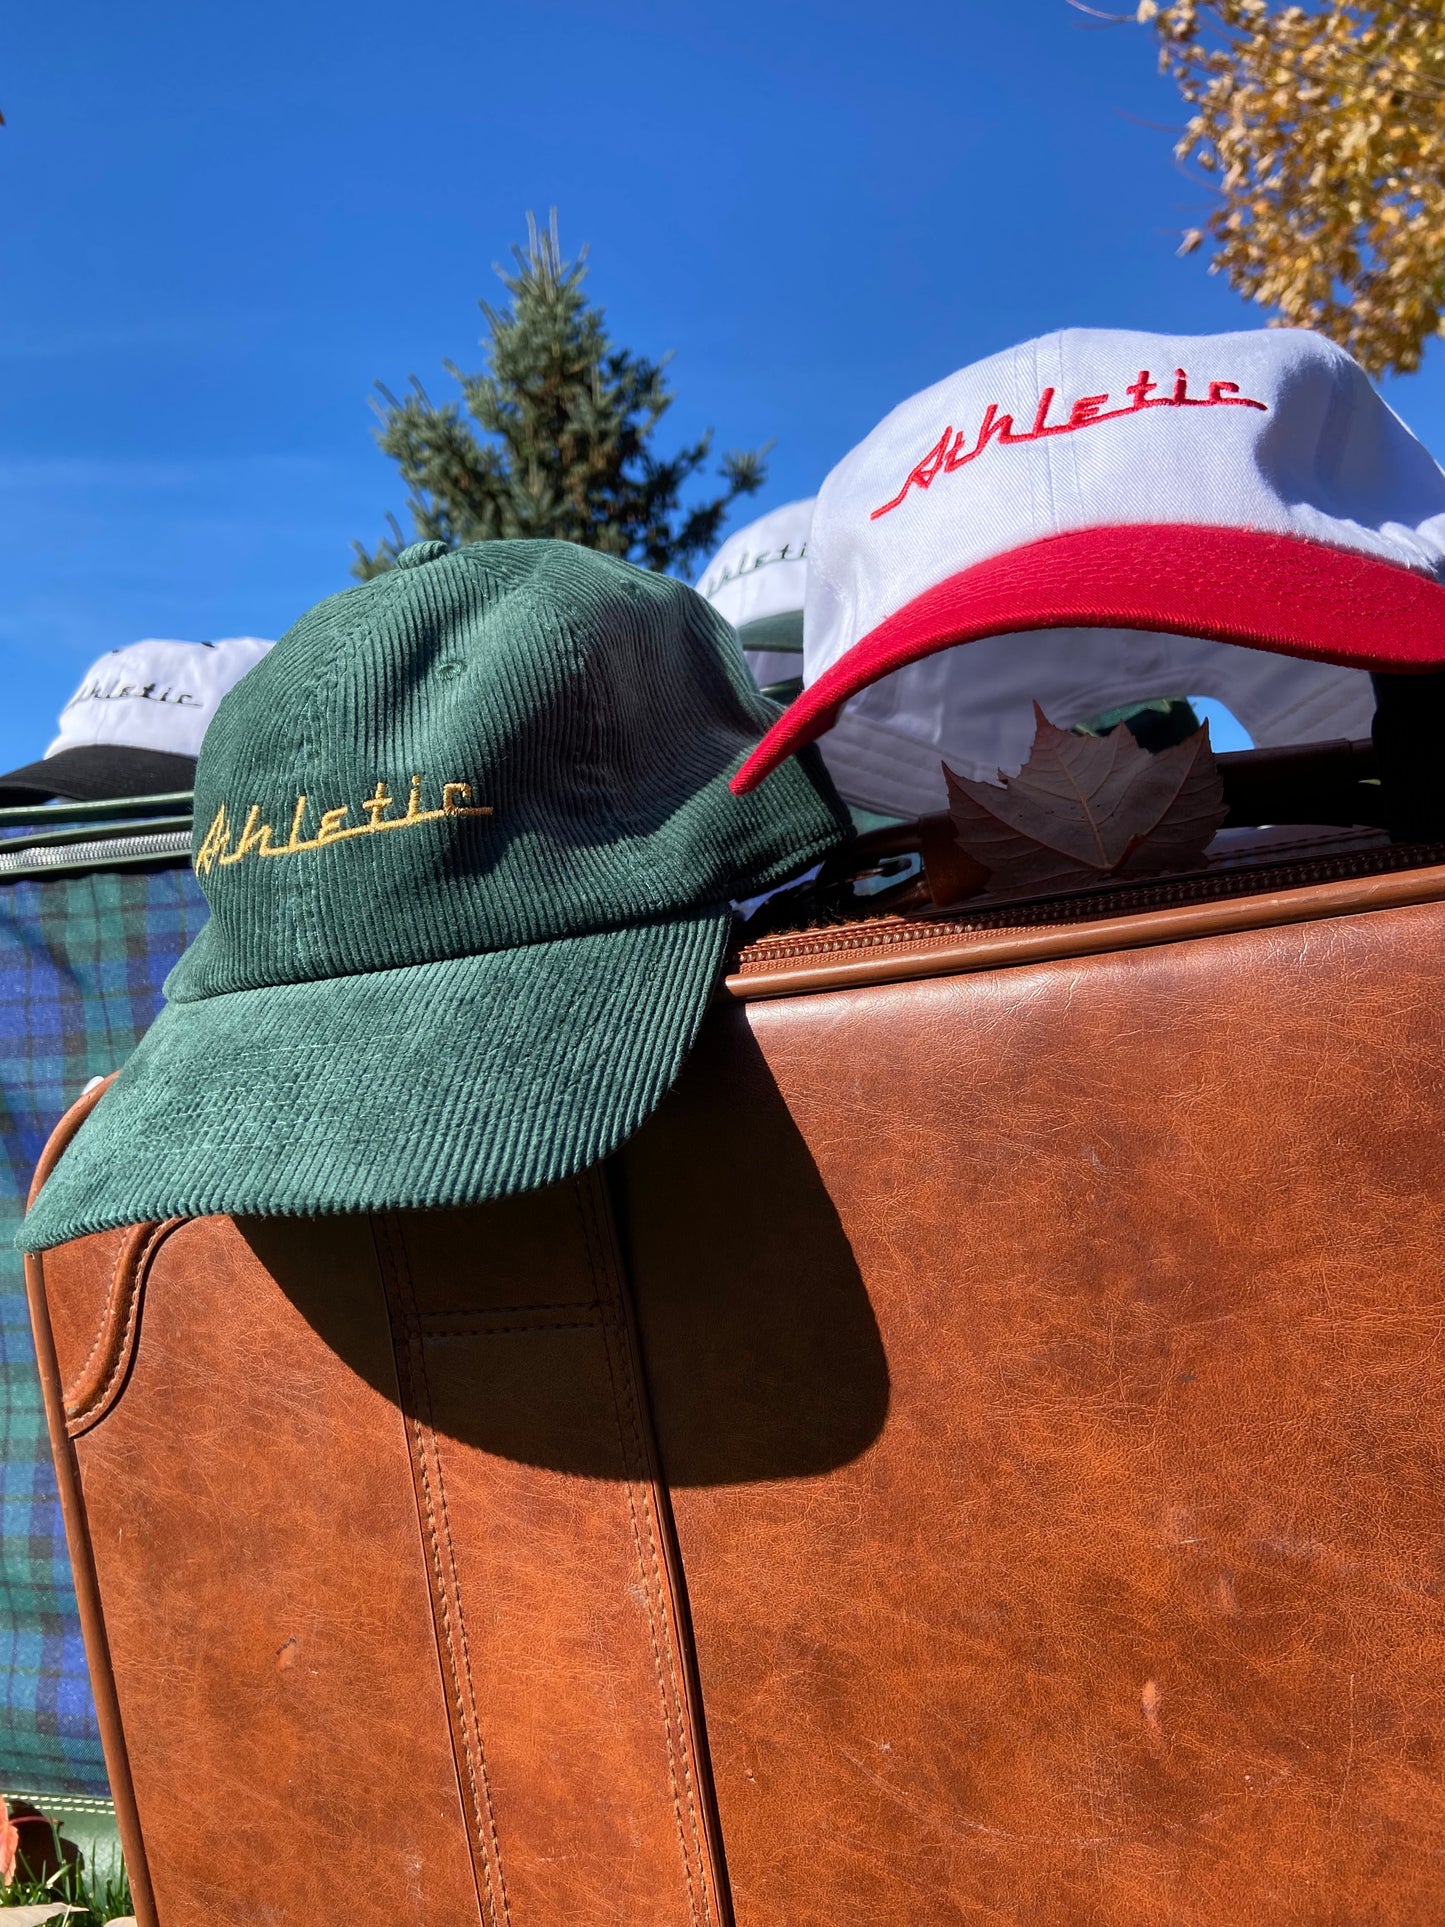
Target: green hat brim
{"type": "Point", "coordinates": [436, 1084]}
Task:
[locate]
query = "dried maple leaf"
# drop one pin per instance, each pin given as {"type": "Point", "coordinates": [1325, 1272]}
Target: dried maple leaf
{"type": "Point", "coordinates": [1087, 807]}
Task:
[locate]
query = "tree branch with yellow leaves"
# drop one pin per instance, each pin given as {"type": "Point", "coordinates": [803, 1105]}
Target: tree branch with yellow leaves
{"type": "Point", "coordinates": [1323, 129]}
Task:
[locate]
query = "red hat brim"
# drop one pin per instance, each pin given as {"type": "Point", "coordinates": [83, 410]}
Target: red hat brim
{"type": "Point", "coordinates": [1281, 593]}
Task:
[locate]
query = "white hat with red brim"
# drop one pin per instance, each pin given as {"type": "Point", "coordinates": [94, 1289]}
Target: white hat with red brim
{"type": "Point", "coordinates": [1152, 494]}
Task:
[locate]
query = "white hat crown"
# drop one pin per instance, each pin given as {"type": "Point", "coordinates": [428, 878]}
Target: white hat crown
{"type": "Point", "coordinates": [156, 694]}
{"type": "Point", "coordinates": [1274, 430]}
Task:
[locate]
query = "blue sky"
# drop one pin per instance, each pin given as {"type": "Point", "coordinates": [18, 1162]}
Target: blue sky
{"type": "Point", "coordinates": [219, 226]}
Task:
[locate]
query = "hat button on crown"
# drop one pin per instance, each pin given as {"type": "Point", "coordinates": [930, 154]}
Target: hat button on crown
{"type": "Point", "coordinates": [419, 552]}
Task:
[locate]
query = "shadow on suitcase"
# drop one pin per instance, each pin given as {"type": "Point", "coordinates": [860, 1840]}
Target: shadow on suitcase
{"type": "Point", "coordinates": [756, 1325]}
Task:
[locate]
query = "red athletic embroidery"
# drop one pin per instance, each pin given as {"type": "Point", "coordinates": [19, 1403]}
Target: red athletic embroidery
{"type": "Point", "coordinates": [948, 452]}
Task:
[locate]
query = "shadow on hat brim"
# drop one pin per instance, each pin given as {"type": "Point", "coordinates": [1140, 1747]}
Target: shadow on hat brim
{"type": "Point", "coordinates": [436, 1084]}
{"type": "Point", "coordinates": [91, 772]}
{"type": "Point", "coordinates": [1281, 593]}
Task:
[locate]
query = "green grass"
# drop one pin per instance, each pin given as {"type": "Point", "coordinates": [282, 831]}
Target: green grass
{"type": "Point", "coordinates": [101, 1895]}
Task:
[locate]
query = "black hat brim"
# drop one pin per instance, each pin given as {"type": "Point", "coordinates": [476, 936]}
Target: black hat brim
{"type": "Point", "coordinates": [92, 772]}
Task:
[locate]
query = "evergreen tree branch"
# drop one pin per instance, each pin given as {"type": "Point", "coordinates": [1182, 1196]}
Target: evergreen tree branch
{"type": "Point", "coordinates": [562, 442]}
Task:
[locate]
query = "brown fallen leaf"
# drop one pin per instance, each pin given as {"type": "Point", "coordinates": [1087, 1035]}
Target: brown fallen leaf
{"type": "Point", "coordinates": [1084, 808]}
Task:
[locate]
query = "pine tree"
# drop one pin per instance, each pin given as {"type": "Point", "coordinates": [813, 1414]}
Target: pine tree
{"type": "Point", "coordinates": [568, 420]}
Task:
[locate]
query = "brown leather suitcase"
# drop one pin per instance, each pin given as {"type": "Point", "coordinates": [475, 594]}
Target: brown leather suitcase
{"type": "Point", "coordinates": [973, 1457]}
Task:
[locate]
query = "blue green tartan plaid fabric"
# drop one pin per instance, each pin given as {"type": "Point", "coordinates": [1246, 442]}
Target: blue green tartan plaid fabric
{"type": "Point", "coordinates": [82, 960]}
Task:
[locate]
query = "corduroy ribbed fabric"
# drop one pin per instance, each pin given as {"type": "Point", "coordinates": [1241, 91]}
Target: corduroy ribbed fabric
{"type": "Point", "coordinates": [468, 842]}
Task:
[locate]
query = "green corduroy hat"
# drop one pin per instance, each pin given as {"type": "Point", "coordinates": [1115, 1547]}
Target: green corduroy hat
{"type": "Point", "coordinates": [469, 847]}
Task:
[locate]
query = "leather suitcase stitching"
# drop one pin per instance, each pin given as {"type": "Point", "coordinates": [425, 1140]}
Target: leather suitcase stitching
{"type": "Point", "coordinates": [694, 1858]}
{"type": "Point", "coordinates": [633, 1460]}
{"type": "Point", "coordinates": [416, 1393]}
{"type": "Point", "coordinates": [120, 1274]}
{"type": "Point", "coordinates": [458, 1330]}
{"type": "Point", "coordinates": [522, 1318]}
{"type": "Point", "coordinates": [115, 1342]}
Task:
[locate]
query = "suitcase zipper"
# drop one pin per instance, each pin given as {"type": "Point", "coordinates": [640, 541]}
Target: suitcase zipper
{"type": "Point", "coordinates": [815, 944]}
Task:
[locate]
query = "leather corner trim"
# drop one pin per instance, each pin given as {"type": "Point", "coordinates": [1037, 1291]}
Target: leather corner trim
{"type": "Point", "coordinates": [102, 1377]}
{"type": "Point", "coordinates": [64, 1131]}
{"type": "Point", "coordinates": [87, 1595]}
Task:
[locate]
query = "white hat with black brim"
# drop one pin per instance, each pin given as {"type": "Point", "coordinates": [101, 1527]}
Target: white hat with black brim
{"type": "Point", "coordinates": [134, 726]}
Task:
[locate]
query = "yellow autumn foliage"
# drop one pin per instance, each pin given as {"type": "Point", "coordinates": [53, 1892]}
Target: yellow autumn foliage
{"type": "Point", "coordinates": [1323, 128]}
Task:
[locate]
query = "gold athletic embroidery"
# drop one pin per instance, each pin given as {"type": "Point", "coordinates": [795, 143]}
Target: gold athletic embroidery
{"type": "Point", "coordinates": [258, 838]}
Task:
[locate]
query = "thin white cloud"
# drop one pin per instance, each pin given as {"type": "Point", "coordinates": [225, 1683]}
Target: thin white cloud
{"type": "Point", "coordinates": [81, 472]}
{"type": "Point", "coordinates": [168, 331]}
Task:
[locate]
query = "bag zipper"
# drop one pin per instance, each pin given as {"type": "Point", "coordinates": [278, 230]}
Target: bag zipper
{"type": "Point", "coordinates": [881, 933]}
